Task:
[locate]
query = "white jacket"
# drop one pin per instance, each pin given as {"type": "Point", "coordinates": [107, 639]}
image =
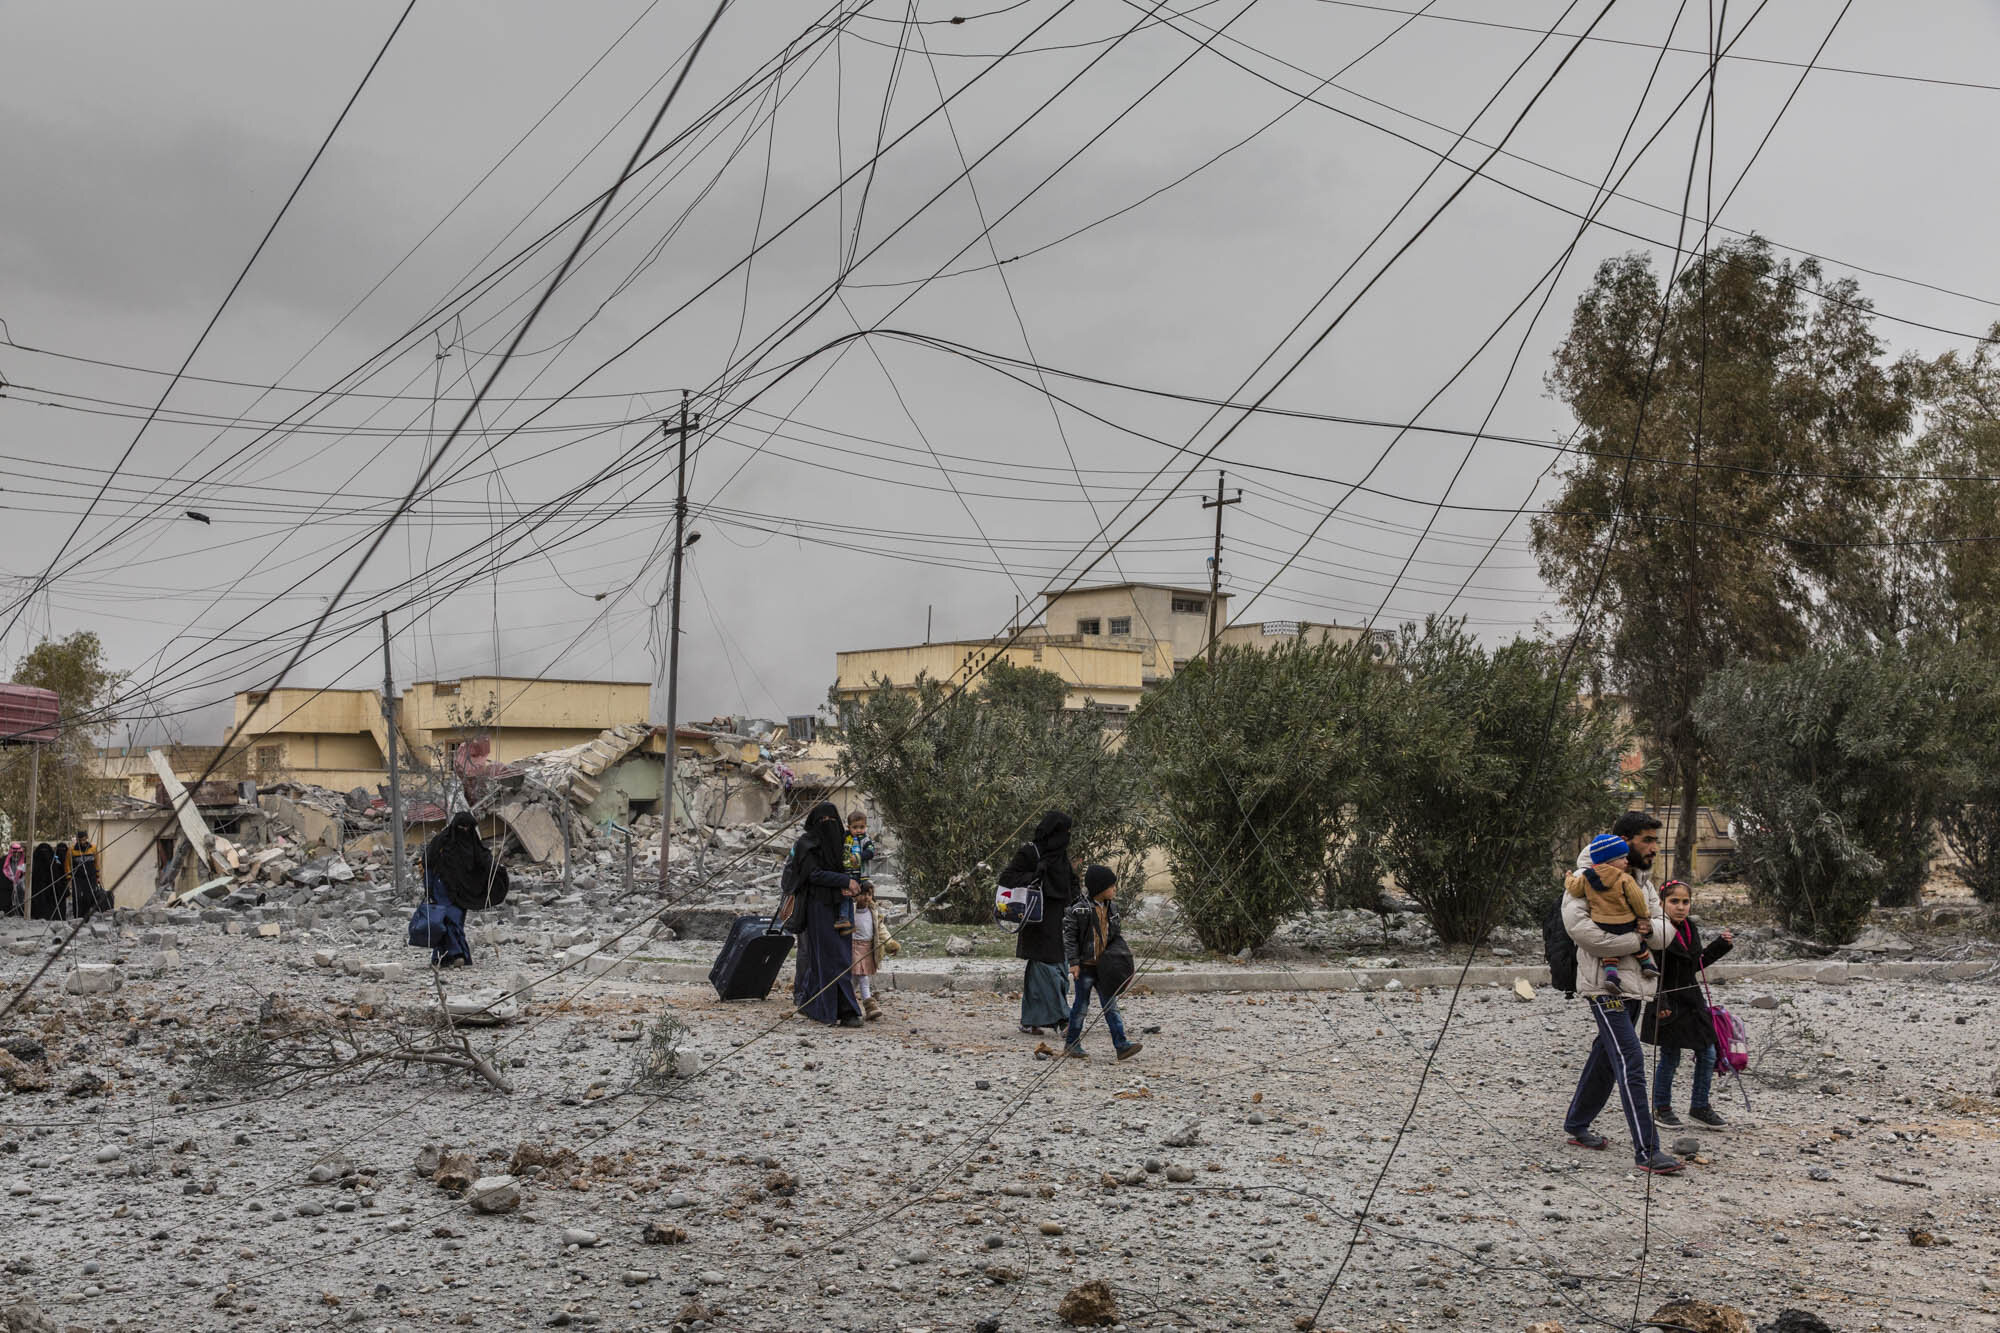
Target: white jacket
{"type": "Point", "coordinates": [1594, 944]}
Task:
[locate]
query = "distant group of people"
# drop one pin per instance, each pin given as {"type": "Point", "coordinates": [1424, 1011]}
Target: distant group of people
{"type": "Point", "coordinates": [1078, 939]}
{"type": "Point", "coordinates": [54, 883]}
{"type": "Point", "coordinates": [1639, 965]}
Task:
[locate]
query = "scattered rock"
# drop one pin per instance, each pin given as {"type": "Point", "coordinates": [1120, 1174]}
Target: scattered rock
{"type": "Point", "coordinates": [456, 1173]}
{"type": "Point", "coordinates": [1092, 1305]}
{"type": "Point", "coordinates": [1687, 1146]}
{"type": "Point", "coordinates": [1764, 1002]}
{"type": "Point", "coordinates": [1180, 1175]}
{"type": "Point", "coordinates": [106, 1156]}
{"type": "Point", "coordinates": [1186, 1138]}
{"type": "Point", "coordinates": [958, 946]}
{"type": "Point", "coordinates": [1049, 1227]}
{"type": "Point", "coordinates": [1522, 989]}
{"type": "Point", "coordinates": [494, 1194]}
{"type": "Point", "coordinates": [1546, 1326]}
{"type": "Point", "coordinates": [1796, 1321]}
{"type": "Point", "coordinates": [656, 1233]}
{"type": "Point", "coordinates": [579, 1237]}
{"type": "Point", "coordinates": [1702, 1317]}
{"type": "Point", "coordinates": [429, 1158]}
{"type": "Point", "coordinates": [24, 1316]}
{"type": "Point", "coordinates": [94, 979]}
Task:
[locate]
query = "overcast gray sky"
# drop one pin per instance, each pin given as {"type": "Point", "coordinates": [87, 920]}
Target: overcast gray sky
{"type": "Point", "coordinates": [148, 147]}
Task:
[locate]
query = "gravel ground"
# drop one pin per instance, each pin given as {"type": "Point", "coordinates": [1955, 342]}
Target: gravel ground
{"type": "Point", "coordinates": [930, 1173]}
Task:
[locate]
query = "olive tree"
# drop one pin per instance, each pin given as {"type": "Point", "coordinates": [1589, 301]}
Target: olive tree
{"type": "Point", "coordinates": [962, 776]}
{"type": "Point", "coordinates": [1836, 764]}
{"type": "Point", "coordinates": [1251, 769]}
{"type": "Point", "coordinates": [1485, 763]}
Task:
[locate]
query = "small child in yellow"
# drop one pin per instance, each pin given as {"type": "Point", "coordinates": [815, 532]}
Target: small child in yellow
{"type": "Point", "coordinates": [1617, 903]}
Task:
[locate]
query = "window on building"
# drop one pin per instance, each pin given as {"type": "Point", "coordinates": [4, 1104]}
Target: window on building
{"type": "Point", "coordinates": [1121, 625]}
{"type": "Point", "coordinates": [1090, 626]}
{"type": "Point", "coordinates": [270, 758]}
{"type": "Point", "coordinates": [1190, 606]}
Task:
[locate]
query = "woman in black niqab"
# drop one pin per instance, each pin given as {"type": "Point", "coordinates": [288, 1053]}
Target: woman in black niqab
{"type": "Point", "coordinates": [42, 903]}
{"type": "Point", "coordinates": [822, 983]}
{"type": "Point", "coordinates": [456, 856]}
{"type": "Point", "coordinates": [460, 876]}
{"type": "Point", "coordinates": [1044, 981]}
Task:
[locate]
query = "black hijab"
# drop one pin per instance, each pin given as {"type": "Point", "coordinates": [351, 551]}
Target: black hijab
{"type": "Point", "coordinates": [458, 857]}
{"type": "Point", "coordinates": [1052, 842]}
{"type": "Point", "coordinates": [1021, 870]}
{"type": "Point", "coordinates": [42, 884]}
{"type": "Point", "coordinates": [828, 835]}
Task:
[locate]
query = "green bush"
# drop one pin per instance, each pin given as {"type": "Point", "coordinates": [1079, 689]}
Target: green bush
{"type": "Point", "coordinates": [1485, 765]}
{"type": "Point", "coordinates": [1836, 764]}
{"type": "Point", "coordinates": [1250, 769]}
{"type": "Point", "coordinates": [962, 778]}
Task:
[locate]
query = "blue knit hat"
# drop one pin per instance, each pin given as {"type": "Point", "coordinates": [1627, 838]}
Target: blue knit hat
{"type": "Point", "coordinates": [1608, 847]}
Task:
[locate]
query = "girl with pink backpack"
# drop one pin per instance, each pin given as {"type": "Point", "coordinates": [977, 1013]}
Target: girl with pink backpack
{"type": "Point", "coordinates": [1679, 1017]}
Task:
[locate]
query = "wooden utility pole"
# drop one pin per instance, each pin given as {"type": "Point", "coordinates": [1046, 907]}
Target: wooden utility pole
{"type": "Point", "coordinates": [1218, 504]}
{"type": "Point", "coordinates": [400, 862]}
{"type": "Point", "coordinates": [674, 646]}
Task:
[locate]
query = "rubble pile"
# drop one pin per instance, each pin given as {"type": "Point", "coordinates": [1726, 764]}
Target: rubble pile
{"type": "Point", "coordinates": [576, 828]}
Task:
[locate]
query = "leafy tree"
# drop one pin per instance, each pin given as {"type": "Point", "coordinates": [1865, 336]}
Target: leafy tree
{"type": "Point", "coordinates": [1970, 816]}
{"type": "Point", "coordinates": [1945, 586]}
{"type": "Point", "coordinates": [1486, 766]}
{"type": "Point", "coordinates": [1251, 768]}
{"type": "Point", "coordinates": [1744, 465]}
{"type": "Point", "coordinates": [964, 777]}
{"type": "Point", "coordinates": [1836, 764]}
{"type": "Point", "coordinates": [74, 668]}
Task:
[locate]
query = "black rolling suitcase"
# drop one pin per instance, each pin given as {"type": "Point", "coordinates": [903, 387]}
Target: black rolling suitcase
{"type": "Point", "coordinates": [748, 965]}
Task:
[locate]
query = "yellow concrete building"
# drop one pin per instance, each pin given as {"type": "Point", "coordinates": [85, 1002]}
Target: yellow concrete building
{"type": "Point", "coordinates": [1171, 623]}
{"type": "Point", "coordinates": [337, 738]}
{"type": "Point", "coordinates": [1106, 676]}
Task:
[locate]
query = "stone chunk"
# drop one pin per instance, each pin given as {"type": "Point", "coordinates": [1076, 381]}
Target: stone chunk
{"type": "Point", "coordinates": [958, 946]}
{"type": "Point", "coordinates": [494, 1194]}
{"type": "Point", "coordinates": [156, 964]}
{"type": "Point", "coordinates": [382, 971]}
{"type": "Point", "coordinates": [1092, 1305]}
{"type": "Point", "coordinates": [455, 1173]}
{"type": "Point", "coordinates": [94, 979]}
{"type": "Point", "coordinates": [1522, 989]}
{"type": "Point", "coordinates": [1702, 1317]}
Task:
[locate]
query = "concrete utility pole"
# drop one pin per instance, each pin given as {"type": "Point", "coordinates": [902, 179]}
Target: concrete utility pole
{"type": "Point", "coordinates": [1218, 504]}
{"type": "Point", "coordinates": [401, 862]}
{"type": "Point", "coordinates": [674, 646]}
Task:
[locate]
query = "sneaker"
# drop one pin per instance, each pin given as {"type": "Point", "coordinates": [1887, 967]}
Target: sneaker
{"type": "Point", "coordinates": [1708, 1117]}
{"type": "Point", "coordinates": [1583, 1138]}
{"type": "Point", "coordinates": [1130, 1049]}
{"type": "Point", "coordinates": [1661, 1164]}
{"type": "Point", "coordinates": [1075, 1053]}
{"type": "Point", "coordinates": [1664, 1115]}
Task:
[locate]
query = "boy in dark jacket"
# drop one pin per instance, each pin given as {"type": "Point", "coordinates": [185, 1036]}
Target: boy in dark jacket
{"type": "Point", "coordinates": [1089, 928]}
{"type": "Point", "coordinates": [1678, 1018]}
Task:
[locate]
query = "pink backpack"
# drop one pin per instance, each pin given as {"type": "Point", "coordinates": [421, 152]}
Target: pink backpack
{"type": "Point", "coordinates": [1732, 1039]}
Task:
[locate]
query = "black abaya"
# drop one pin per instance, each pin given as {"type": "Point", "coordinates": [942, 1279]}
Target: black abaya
{"type": "Point", "coordinates": [42, 904]}
{"type": "Point", "coordinates": [822, 982]}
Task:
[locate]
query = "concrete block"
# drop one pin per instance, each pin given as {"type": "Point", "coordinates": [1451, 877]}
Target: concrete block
{"type": "Point", "coordinates": [270, 930]}
{"type": "Point", "coordinates": [375, 995]}
{"type": "Point", "coordinates": [382, 971]}
{"type": "Point", "coordinates": [156, 964]}
{"type": "Point", "coordinates": [324, 957]}
{"type": "Point", "coordinates": [1830, 974]}
{"type": "Point", "coordinates": [94, 979]}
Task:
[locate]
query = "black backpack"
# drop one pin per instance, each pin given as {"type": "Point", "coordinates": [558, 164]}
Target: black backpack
{"type": "Point", "coordinates": [1559, 949]}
